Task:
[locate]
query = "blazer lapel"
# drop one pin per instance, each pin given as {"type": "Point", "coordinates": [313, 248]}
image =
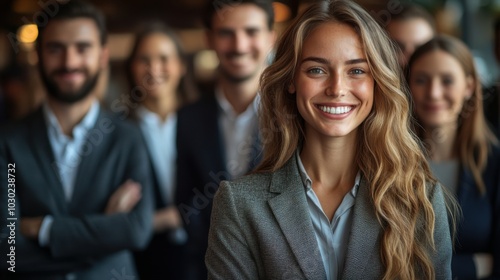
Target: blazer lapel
{"type": "Point", "coordinates": [89, 164]}
{"type": "Point", "coordinates": [364, 241]}
{"type": "Point", "coordinates": [213, 145]}
{"type": "Point", "coordinates": [42, 151]}
{"type": "Point", "coordinates": [291, 211]}
{"type": "Point", "coordinates": [161, 199]}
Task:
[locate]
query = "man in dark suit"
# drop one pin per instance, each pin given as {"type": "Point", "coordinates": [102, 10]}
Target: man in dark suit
{"type": "Point", "coordinates": [77, 178]}
{"type": "Point", "coordinates": [218, 136]}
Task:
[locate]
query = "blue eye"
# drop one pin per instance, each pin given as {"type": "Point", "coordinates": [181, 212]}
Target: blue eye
{"type": "Point", "coordinates": [357, 71]}
{"type": "Point", "coordinates": [315, 71]}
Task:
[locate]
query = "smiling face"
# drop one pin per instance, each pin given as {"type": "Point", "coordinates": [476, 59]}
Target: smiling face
{"type": "Point", "coordinates": [71, 57]}
{"type": "Point", "coordinates": [241, 40]}
{"type": "Point", "coordinates": [157, 66]}
{"type": "Point", "coordinates": [439, 88]}
{"type": "Point", "coordinates": [333, 83]}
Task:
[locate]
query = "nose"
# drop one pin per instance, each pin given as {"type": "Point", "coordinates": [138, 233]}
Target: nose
{"type": "Point", "coordinates": [155, 67]}
{"type": "Point", "coordinates": [240, 43]}
{"type": "Point", "coordinates": [71, 58]}
{"type": "Point", "coordinates": [435, 89]}
{"type": "Point", "coordinates": [336, 85]}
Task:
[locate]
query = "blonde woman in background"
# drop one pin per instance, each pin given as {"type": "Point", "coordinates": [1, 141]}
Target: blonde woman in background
{"type": "Point", "coordinates": [344, 190]}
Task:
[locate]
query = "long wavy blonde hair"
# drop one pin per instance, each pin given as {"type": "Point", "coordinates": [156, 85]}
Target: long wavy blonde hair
{"type": "Point", "coordinates": [388, 153]}
{"type": "Point", "coordinates": [474, 139]}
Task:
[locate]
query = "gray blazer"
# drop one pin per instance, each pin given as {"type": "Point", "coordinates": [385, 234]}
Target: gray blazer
{"type": "Point", "coordinates": [261, 229]}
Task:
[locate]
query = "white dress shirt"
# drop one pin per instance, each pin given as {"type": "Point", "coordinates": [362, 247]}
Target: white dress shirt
{"type": "Point", "coordinates": [238, 133]}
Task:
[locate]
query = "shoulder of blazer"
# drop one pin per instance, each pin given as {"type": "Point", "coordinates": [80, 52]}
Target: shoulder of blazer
{"type": "Point", "coordinates": [112, 125]}
{"type": "Point", "coordinates": [275, 182]}
{"type": "Point", "coordinates": [254, 182]}
{"type": "Point", "coordinates": [207, 104]}
{"type": "Point", "coordinates": [19, 128]}
{"type": "Point", "coordinates": [199, 118]}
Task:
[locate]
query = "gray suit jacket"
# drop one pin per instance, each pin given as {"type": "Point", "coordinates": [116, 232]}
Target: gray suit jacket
{"type": "Point", "coordinates": [261, 229]}
{"type": "Point", "coordinates": [83, 241]}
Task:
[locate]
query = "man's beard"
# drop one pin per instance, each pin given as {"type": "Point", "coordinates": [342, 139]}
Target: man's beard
{"type": "Point", "coordinates": [237, 79]}
{"type": "Point", "coordinates": [68, 97]}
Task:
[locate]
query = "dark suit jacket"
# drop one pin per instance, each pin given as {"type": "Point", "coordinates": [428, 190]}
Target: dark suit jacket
{"type": "Point", "coordinates": [479, 228]}
{"type": "Point", "coordinates": [83, 241]}
{"type": "Point", "coordinates": [262, 229]}
{"type": "Point", "coordinates": [201, 166]}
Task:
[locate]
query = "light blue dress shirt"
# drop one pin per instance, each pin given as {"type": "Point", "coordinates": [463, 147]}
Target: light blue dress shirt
{"type": "Point", "coordinates": [332, 237]}
{"type": "Point", "coordinates": [160, 137]}
{"type": "Point", "coordinates": [68, 153]}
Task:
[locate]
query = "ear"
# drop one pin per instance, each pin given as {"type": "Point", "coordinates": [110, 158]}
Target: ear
{"type": "Point", "coordinates": [272, 37]}
{"type": "Point", "coordinates": [470, 87]}
{"type": "Point", "coordinates": [291, 88]}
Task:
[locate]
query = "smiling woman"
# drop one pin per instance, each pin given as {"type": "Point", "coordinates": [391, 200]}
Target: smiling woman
{"type": "Point", "coordinates": [160, 84]}
{"type": "Point", "coordinates": [463, 152]}
{"type": "Point", "coordinates": [333, 82]}
{"type": "Point", "coordinates": [340, 165]}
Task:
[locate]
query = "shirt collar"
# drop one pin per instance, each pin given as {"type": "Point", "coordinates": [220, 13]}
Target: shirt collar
{"type": "Point", "coordinates": [306, 180]}
{"type": "Point", "coordinates": [148, 117]}
{"type": "Point", "coordinates": [227, 109]}
{"type": "Point", "coordinates": [86, 124]}
{"type": "Point", "coordinates": [152, 119]}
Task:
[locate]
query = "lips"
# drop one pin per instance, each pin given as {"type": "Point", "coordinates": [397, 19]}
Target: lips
{"type": "Point", "coordinates": [69, 74]}
{"type": "Point", "coordinates": [433, 107]}
{"type": "Point", "coordinates": [70, 77]}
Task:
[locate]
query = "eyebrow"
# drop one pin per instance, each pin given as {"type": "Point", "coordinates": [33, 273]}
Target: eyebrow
{"type": "Point", "coordinates": [326, 61]}
{"type": "Point", "coordinates": [59, 44]}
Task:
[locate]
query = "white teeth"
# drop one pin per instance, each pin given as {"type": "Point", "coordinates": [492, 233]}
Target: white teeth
{"type": "Point", "coordinates": [335, 110]}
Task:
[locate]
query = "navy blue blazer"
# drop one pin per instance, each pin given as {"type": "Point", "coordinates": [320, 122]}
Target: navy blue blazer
{"type": "Point", "coordinates": [201, 166]}
{"type": "Point", "coordinates": [479, 228]}
{"type": "Point", "coordinates": [84, 242]}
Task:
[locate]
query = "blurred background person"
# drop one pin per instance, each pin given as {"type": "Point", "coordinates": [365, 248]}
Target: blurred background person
{"type": "Point", "coordinates": [159, 85]}
{"type": "Point", "coordinates": [84, 198]}
{"type": "Point", "coordinates": [410, 28]}
{"type": "Point", "coordinates": [218, 136]}
{"type": "Point", "coordinates": [463, 152]}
